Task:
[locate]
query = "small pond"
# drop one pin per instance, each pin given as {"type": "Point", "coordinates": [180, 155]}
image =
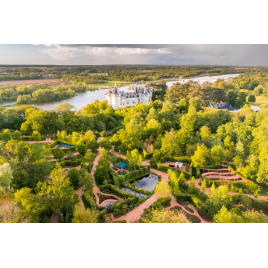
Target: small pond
{"type": "Point", "coordinates": [147, 183]}
{"type": "Point", "coordinates": [134, 193]}
{"type": "Point", "coordinates": [108, 203]}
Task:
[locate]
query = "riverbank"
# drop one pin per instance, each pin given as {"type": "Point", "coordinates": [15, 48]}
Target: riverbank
{"type": "Point", "coordinates": [82, 99]}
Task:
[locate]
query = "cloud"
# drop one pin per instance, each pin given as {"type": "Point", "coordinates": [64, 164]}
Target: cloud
{"type": "Point", "coordinates": [157, 54]}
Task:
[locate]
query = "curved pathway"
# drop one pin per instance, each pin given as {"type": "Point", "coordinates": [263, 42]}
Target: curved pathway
{"type": "Point", "coordinates": [135, 214]}
{"type": "Point", "coordinates": [207, 190]}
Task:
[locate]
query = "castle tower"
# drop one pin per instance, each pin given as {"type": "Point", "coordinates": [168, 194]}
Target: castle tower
{"type": "Point", "coordinates": [115, 97]}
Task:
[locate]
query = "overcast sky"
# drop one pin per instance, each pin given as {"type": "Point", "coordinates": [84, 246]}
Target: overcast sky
{"type": "Point", "coordinates": [250, 55]}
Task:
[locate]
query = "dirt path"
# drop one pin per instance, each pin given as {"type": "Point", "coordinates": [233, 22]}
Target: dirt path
{"type": "Point", "coordinates": [134, 215]}
{"type": "Point", "coordinates": [55, 217]}
{"type": "Point", "coordinates": [207, 190]}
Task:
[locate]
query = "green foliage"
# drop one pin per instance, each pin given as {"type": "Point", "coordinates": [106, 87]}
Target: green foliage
{"type": "Point", "coordinates": [89, 201]}
{"type": "Point", "coordinates": [74, 174]}
{"type": "Point", "coordinates": [251, 98]}
{"type": "Point", "coordinates": [36, 136]}
{"type": "Point", "coordinates": [82, 148]}
{"type": "Point", "coordinates": [58, 153]}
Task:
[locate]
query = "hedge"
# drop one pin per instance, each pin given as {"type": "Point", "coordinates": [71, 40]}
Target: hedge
{"type": "Point", "coordinates": [88, 200]}
{"type": "Point", "coordinates": [252, 185]}
{"type": "Point", "coordinates": [147, 156]}
{"type": "Point", "coordinates": [165, 169]}
{"type": "Point", "coordinates": [101, 214]}
{"type": "Point", "coordinates": [189, 197]}
{"type": "Point", "coordinates": [53, 144]}
{"type": "Point", "coordinates": [161, 202]}
{"type": "Point", "coordinates": [123, 221]}
{"type": "Point", "coordinates": [136, 174]}
{"type": "Point", "coordinates": [183, 159]}
{"type": "Point", "coordinates": [30, 138]}
{"type": "Point", "coordinates": [115, 190]}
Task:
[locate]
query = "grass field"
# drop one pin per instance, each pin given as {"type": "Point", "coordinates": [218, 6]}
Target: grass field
{"type": "Point", "coordinates": [261, 100]}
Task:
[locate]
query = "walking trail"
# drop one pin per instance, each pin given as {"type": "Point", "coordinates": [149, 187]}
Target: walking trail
{"type": "Point", "coordinates": [134, 215]}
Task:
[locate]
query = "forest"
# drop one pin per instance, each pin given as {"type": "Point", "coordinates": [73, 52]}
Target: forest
{"type": "Point", "coordinates": [50, 161]}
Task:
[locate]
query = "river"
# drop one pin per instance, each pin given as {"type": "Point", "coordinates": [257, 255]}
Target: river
{"type": "Point", "coordinates": [82, 99]}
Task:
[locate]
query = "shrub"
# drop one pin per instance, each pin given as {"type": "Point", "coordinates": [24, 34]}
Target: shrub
{"type": "Point", "coordinates": [115, 190]}
{"type": "Point", "coordinates": [58, 153]}
{"type": "Point", "coordinates": [161, 202]}
{"type": "Point", "coordinates": [251, 98]}
{"type": "Point", "coordinates": [89, 201]}
{"type": "Point", "coordinates": [73, 174]}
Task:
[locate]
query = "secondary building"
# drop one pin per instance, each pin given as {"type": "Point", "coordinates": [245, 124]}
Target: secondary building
{"type": "Point", "coordinates": [136, 94]}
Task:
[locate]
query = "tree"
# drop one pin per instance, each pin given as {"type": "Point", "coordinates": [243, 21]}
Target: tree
{"type": "Point", "coordinates": [205, 132]}
{"type": "Point", "coordinates": [82, 148]}
{"type": "Point", "coordinates": [86, 181]}
{"type": "Point", "coordinates": [171, 144]}
{"type": "Point", "coordinates": [74, 177]}
{"type": "Point", "coordinates": [182, 179]}
{"type": "Point", "coordinates": [251, 98]}
{"type": "Point", "coordinates": [162, 216]}
{"type": "Point", "coordinates": [60, 123]}
{"type": "Point", "coordinates": [196, 103]}
{"type": "Point", "coordinates": [192, 182]}
{"type": "Point", "coordinates": [92, 144]}
{"type": "Point", "coordinates": [218, 197]}
{"type": "Point", "coordinates": [36, 136]}
{"type": "Point", "coordinates": [58, 191]}
{"type": "Point", "coordinates": [216, 155]}
{"type": "Point", "coordinates": [256, 194]}
{"type": "Point", "coordinates": [228, 144]}
{"type": "Point", "coordinates": [204, 185]}
{"type": "Point", "coordinates": [153, 163]}
{"type": "Point", "coordinates": [6, 135]}
{"type": "Point", "coordinates": [102, 172]}
{"type": "Point", "coordinates": [5, 177]}
{"type": "Point", "coordinates": [58, 153]}
{"type": "Point", "coordinates": [82, 215]}
{"type": "Point", "coordinates": [105, 143]}
{"type": "Point", "coordinates": [89, 156]}
{"type": "Point", "coordinates": [33, 206]}
{"type": "Point", "coordinates": [162, 189]}
{"type": "Point", "coordinates": [10, 212]}
{"type": "Point", "coordinates": [17, 135]}
{"type": "Point", "coordinates": [225, 216]}
{"type": "Point", "coordinates": [200, 156]}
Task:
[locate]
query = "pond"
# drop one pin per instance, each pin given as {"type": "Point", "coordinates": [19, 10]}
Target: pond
{"type": "Point", "coordinates": [147, 183]}
{"type": "Point", "coordinates": [108, 203]}
{"type": "Point", "coordinates": [134, 193]}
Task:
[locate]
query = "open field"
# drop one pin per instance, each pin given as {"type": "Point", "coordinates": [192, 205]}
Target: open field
{"type": "Point", "coordinates": [260, 100]}
{"type": "Point", "coordinates": [52, 82]}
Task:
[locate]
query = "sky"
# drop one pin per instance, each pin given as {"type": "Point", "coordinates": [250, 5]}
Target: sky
{"type": "Point", "coordinates": [97, 54]}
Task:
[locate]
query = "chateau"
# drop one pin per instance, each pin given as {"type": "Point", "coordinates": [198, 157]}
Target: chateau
{"type": "Point", "coordinates": [134, 95]}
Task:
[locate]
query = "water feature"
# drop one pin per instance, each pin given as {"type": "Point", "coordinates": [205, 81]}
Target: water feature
{"type": "Point", "coordinates": [147, 183]}
{"type": "Point", "coordinates": [108, 203]}
{"type": "Point", "coordinates": [82, 99]}
{"type": "Point", "coordinates": [134, 193]}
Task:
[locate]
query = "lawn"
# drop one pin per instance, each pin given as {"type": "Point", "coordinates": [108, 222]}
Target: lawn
{"type": "Point", "coordinates": [260, 100]}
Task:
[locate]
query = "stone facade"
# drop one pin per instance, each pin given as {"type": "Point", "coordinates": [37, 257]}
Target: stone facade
{"type": "Point", "coordinates": [224, 105]}
{"type": "Point", "coordinates": [134, 95]}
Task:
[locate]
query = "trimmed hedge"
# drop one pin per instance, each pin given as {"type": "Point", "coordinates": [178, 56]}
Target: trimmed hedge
{"type": "Point", "coordinates": [136, 174]}
{"type": "Point", "coordinates": [147, 155]}
{"type": "Point", "coordinates": [165, 169]}
{"type": "Point", "coordinates": [101, 214]}
{"type": "Point", "coordinates": [53, 144]}
{"type": "Point", "coordinates": [183, 159]}
{"type": "Point", "coordinates": [115, 190]}
{"type": "Point", "coordinates": [88, 200]}
{"type": "Point", "coordinates": [189, 197]}
{"type": "Point", "coordinates": [161, 202]}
